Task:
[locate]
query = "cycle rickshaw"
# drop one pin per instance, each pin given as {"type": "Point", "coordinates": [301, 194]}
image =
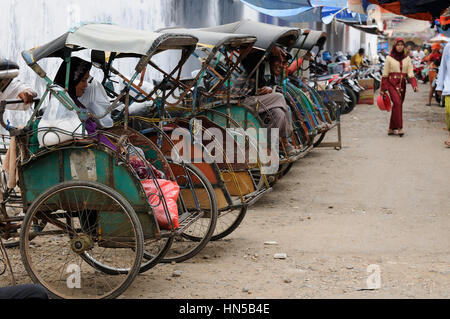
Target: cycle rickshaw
{"type": "Point", "coordinates": [326, 110]}
{"type": "Point", "coordinates": [268, 36]}
{"type": "Point", "coordinates": [311, 118]}
{"type": "Point", "coordinates": [92, 222]}
{"type": "Point", "coordinates": [179, 103]}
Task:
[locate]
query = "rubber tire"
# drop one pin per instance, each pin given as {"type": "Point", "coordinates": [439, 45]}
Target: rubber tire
{"type": "Point", "coordinates": [358, 95]}
{"type": "Point", "coordinates": [212, 226]}
{"type": "Point", "coordinates": [349, 106]}
{"type": "Point", "coordinates": [238, 221]}
{"type": "Point", "coordinates": [154, 261]}
{"type": "Point", "coordinates": [287, 169]}
{"type": "Point", "coordinates": [320, 140]}
{"type": "Point", "coordinates": [122, 201]}
{"type": "Point", "coordinates": [377, 85]}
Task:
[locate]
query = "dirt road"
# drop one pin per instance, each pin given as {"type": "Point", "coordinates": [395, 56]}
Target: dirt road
{"type": "Point", "coordinates": [380, 201]}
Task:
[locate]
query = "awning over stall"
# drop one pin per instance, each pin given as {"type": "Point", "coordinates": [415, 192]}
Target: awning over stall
{"type": "Point", "coordinates": [428, 10]}
{"type": "Point", "coordinates": [371, 29]}
{"type": "Point", "coordinates": [302, 10]}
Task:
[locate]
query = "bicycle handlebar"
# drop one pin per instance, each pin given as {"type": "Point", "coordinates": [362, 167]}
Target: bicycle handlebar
{"type": "Point", "coordinates": [3, 105]}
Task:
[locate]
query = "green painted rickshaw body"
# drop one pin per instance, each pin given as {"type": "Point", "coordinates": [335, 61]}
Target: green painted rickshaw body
{"type": "Point", "coordinates": [96, 163]}
{"type": "Point", "coordinates": [243, 115]}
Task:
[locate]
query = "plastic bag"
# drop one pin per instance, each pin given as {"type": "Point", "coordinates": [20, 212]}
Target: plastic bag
{"type": "Point", "coordinates": [56, 115]}
{"type": "Point", "coordinates": [97, 102]}
{"type": "Point", "coordinates": [143, 168]}
{"type": "Point", "coordinates": [171, 191]}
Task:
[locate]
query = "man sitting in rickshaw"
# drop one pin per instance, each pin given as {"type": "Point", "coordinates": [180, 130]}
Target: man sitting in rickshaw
{"type": "Point", "coordinates": [11, 88]}
{"type": "Point", "coordinates": [271, 105]}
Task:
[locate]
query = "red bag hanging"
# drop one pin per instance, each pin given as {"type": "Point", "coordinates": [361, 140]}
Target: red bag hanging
{"type": "Point", "coordinates": [171, 191]}
{"type": "Point", "coordinates": [384, 102]}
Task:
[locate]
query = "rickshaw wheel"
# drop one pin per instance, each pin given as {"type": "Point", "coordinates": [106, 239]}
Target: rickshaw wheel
{"type": "Point", "coordinates": [154, 252]}
{"type": "Point", "coordinates": [320, 140]}
{"type": "Point", "coordinates": [151, 259]}
{"type": "Point", "coordinates": [286, 168]}
{"type": "Point", "coordinates": [224, 229]}
{"type": "Point", "coordinates": [195, 237]}
{"type": "Point", "coordinates": [85, 221]}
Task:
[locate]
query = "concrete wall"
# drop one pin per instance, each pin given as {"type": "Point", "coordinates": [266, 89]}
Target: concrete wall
{"type": "Point", "coordinates": [28, 23]}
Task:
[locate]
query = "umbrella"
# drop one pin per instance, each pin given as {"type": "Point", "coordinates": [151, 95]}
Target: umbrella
{"type": "Point", "coordinates": [439, 39]}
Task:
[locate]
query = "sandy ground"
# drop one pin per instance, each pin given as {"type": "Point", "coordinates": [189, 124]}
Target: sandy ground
{"type": "Point", "coordinates": [380, 201]}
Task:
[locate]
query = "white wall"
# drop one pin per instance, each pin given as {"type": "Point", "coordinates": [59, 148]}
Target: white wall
{"type": "Point", "coordinates": [29, 23]}
{"type": "Point", "coordinates": [371, 45]}
{"type": "Point", "coordinates": [358, 39]}
{"type": "Point", "coordinates": [25, 24]}
{"type": "Point", "coordinates": [354, 41]}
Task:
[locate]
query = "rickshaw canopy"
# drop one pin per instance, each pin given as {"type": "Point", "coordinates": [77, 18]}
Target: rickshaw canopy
{"type": "Point", "coordinates": [110, 38]}
{"type": "Point", "coordinates": [309, 39]}
{"type": "Point", "coordinates": [214, 39]}
{"type": "Point", "coordinates": [268, 35]}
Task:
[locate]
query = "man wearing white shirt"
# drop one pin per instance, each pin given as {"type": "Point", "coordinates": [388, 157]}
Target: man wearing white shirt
{"type": "Point", "coordinates": [10, 89]}
{"type": "Point", "coordinates": [443, 86]}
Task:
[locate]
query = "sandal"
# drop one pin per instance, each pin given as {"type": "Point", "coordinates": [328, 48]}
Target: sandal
{"type": "Point", "coordinates": [401, 133]}
{"type": "Point", "coordinates": [391, 132]}
{"type": "Point", "coordinates": [447, 143]}
{"type": "Point", "coordinates": [290, 150]}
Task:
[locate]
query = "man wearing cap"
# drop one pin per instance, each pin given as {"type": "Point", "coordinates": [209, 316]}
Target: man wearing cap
{"type": "Point", "coordinates": [271, 105]}
{"type": "Point", "coordinates": [443, 86]}
{"type": "Point", "coordinates": [11, 88]}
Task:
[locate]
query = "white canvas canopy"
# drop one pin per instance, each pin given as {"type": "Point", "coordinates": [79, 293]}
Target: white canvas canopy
{"type": "Point", "coordinates": [215, 39]}
{"type": "Point", "coordinates": [110, 38]}
{"type": "Point", "coordinates": [267, 34]}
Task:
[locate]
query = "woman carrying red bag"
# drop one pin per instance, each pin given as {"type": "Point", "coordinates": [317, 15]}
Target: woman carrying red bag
{"type": "Point", "coordinates": [397, 69]}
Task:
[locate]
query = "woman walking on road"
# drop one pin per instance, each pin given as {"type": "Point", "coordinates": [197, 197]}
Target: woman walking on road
{"type": "Point", "coordinates": [397, 69]}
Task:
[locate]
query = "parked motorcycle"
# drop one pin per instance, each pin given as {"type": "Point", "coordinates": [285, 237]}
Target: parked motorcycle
{"type": "Point", "coordinates": [420, 70]}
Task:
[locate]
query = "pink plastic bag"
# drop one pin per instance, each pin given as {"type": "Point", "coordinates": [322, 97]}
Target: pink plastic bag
{"type": "Point", "coordinates": [171, 191]}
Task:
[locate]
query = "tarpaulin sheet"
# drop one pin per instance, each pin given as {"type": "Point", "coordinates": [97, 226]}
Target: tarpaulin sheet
{"type": "Point", "coordinates": [418, 9]}
{"type": "Point", "coordinates": [299, 10]}
{"type": "Point", "coordinates": [292, 4]}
